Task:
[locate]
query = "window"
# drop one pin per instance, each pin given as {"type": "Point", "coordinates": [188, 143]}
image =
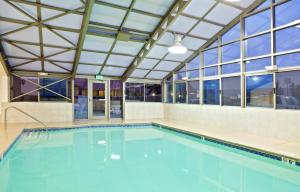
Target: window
{"type": "Point", "coordinates": [232, 34]}
{"type": "Point", "coordinates": [210, 57]}
{"type": "Point", "coordinates": [193, 74]}
{"type": "Point", "coordinates": [231, 52]}
{"type": "Point", "coordinates": [260, 45]}
{"type": "Point", "coordinates": [287, 12]}
{"type": "Point", "coordinates": [193, 92]}
{"type": "Point", "coordinates": [169, 91]}
{"type": "Point", "coordinates": [210, 71]}
{"type": "Point", "coordinates": [134, 91]}
{"type": "Point", "coordinates": [258, 23]}
{"type": "Point", "coordinates": [80, 98]}
{"type": "Point", "coordinates": [194, 64]}
{"type": "Point", "coordinates": [23, 89]}
{"type": "Point", "coordinates": [231, 91]}
{"type": "Point", "coordinates": [31, 89]}
{"type": "Point", "coordinates": [57, 91]}
{"type": "Point", "coordinates": [289, 60]}
{"type": "Point", "coordinates": [211, 92]}
{"type": "Point", "coordinates": [257, 64]}
{"type": "Point", "coordinates": [181, 75]}
{"type": "Point", "coordinates": [265, 4]}
{"type": "Point", "coordinates": [287, 39]}
{"type": "Point", "coordinates": [231, 68]}
{"type": "Point", "coordinates": [153, 92]}
{"type": "Point", "coordinates": [214, 44]}
{"type": "Point", "coordinates": [180, 92]}
{"type": "Point", "coordinates": [288, 90]}
{"type": "Point", "coordinates": [116, 99]}
{"type": "Point", "coordinates": [259, 91]}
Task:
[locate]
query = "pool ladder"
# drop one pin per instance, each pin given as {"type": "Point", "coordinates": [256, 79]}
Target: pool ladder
{"type": "Point", "coordinates": [45, 128]}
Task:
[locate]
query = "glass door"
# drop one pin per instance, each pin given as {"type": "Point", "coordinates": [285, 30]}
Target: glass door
{"type": "Point", "coordinates": [97, 100]}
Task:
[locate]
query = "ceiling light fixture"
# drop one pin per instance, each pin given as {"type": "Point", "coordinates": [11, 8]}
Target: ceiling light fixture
{"type": "Point", "coordinates": [177, 47]}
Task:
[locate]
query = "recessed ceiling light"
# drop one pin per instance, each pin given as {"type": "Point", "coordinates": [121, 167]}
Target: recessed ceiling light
{"type": "Point", "coordinates": [177, 47]}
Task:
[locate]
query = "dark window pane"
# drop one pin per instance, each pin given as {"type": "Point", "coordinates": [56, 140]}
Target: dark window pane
{"type": "Point", "coordinates": [21, 86]}
{"type": "Point", "coordinates": [257, 46]}
{"type": "Point", "coordinates": [287, 39]}
{"type": "Point", "coordinates": [288, 90]}
{"type": "Point", "coordinates": [231, 91]}
{"type": "Point", "coordinates": [232, 34]}
{"type": "Point", "coordinates": [194, 64]}
{"type": "Point", "coordinates": [259, 91]}
{"type": "Point", "coordinates": [134, 92]}
{"type": "Point", "coordinates": [193, 74]}
{"type": "Point", "coordinates": [153, 92]}
{"type": "Point", "coordinates": [258, 23]}
{"type": "Point", "coordinates": [211, 92]}
{"type": "Point", "coordinates": [180, 92]}
{"type": "Point", "coordinates": [181, 75]}
{"type": "Point", "coordinates": [80, 98]}
{"type": "Point", "coordinates": [61, 88]}
{"type": "Point", "coordinates": [210, 71]}
{"type": "Point", "coordinates": [231, 68]}
{"type": "Point", "coordinates": [289, 60]}
{"type": "Point", "coordinates": [287, 12]}
{"type": "Point", "coordinates": [257, 64]}
{"type": "Point", "coordinates": [170, 78]}
{"type": "Point", "coordinates": [169, 92]}
{"type": "Point", "coordinates": [193, 92]}
{"type": "Point", "coordinates": [210, 57]}
{"type": "Point", "coordinates": [116, 99]}
{"type": "Point", "coordinates": [231, 52]}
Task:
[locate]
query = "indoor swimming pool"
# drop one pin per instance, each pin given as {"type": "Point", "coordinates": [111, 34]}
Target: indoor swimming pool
{"type": "Point", "coordinates": [137, 158]}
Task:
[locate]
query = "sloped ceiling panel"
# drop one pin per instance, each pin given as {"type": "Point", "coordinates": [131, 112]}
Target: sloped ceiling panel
{"type": "Point", "coordinates": [120, 30]}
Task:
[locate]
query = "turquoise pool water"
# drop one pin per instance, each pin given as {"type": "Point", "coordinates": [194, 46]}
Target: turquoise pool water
{"type": "Point", "coordinates": [137, 159]}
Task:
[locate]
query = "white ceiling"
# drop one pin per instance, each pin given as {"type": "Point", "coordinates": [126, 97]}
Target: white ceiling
{"type": "Point", "coordinates": [102, 52]}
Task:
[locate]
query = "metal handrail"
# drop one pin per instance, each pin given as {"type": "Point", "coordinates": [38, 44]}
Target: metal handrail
{"type": "Point", "coordinates": [20, 110]}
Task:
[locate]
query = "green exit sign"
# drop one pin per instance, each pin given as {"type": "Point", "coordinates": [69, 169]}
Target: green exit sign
{"type": "Point", "coordinates": [99, 77]}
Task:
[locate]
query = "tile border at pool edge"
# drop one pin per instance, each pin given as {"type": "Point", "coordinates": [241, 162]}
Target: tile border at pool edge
{"type": "Point", "coordinates": [86, 127]}
{"type": "Point", "coordinates": [5, 152]}
{"type": "Point", "coordinates": [253, 150]}
{"type": "Point", "coordinates": [257, 151]}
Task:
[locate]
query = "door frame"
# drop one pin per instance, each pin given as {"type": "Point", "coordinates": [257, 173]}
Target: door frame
{"type": "Point", "coordinates": [90, 99]}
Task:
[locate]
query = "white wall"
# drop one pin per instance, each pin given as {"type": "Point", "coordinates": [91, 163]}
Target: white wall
{"type": "Point", "coordinates": [4, 82]}
{"type": "Point", "coordinates": [282, 124]}
{"type": "Point", "coordinates": [143, 110]}
{"type": "Point", "coordinates": [44, 111]}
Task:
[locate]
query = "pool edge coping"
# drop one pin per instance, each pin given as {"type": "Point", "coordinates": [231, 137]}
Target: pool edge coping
{"type": "Point", "coordinates": [261, 152]}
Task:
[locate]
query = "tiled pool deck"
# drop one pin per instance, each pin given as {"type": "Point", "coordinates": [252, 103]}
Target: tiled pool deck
{"type": "Point", "coordinates": [288, 149]}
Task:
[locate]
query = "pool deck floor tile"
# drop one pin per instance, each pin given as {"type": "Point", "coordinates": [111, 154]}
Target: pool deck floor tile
{"type": "Point", "coordinates": [290, 149]}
